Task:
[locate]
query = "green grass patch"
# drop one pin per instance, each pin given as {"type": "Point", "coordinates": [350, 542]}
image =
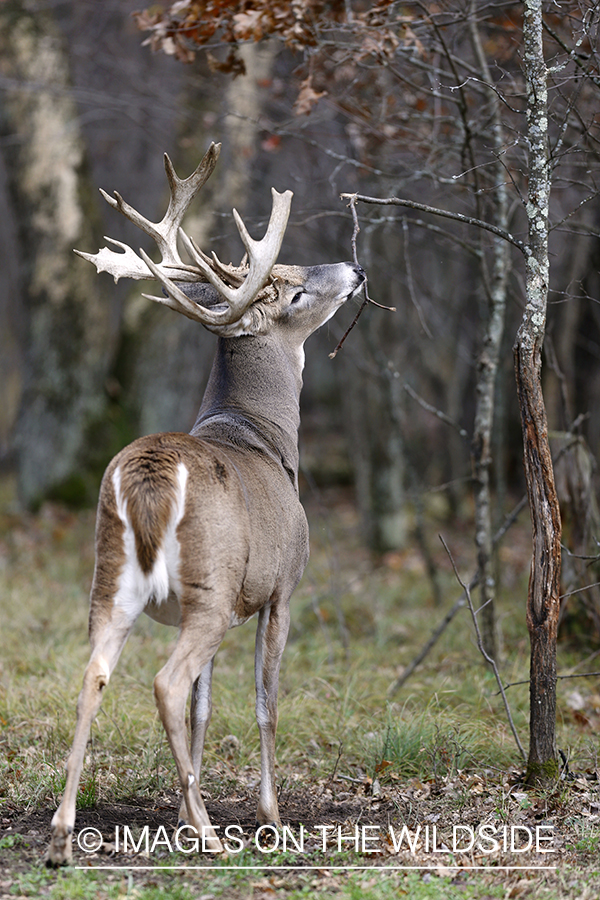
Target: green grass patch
{"type": "Point", "coordinates": [80, 885]}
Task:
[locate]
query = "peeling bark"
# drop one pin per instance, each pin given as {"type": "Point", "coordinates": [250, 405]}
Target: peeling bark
{"type": "Point", "coordinates": [544, 581]}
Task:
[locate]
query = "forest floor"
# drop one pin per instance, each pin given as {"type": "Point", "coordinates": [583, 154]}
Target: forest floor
{"type": "Point", "coordinates": [412, 793]}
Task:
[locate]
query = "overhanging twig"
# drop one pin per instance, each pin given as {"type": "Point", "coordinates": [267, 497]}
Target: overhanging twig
{"type": "Point", "coordinates": [445, 213]}
{"type": "Point", "coordinates": [355, 232]}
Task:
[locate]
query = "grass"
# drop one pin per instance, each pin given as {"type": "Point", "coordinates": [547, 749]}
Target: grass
{"type": "Point", "coordinates": [442, 740]}
{"type": "Point", "coordinates": [88, 886]}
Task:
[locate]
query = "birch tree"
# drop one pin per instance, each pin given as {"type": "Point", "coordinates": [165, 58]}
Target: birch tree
{"type": "Point", "coordinates": [487, 364]}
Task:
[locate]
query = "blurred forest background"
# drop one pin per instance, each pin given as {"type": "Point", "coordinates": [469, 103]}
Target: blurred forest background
{"type": "Point", "coordinates": [414, 101]}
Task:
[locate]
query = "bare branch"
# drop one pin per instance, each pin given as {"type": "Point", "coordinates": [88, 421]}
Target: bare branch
{"type": "Point", "coordinates": [409, 281]}
{"type": "Point", "coordinates": [558, 677]}
{"type": "Point", "coordinates": [447, 214]}
{"type": "Point", "coordinates": [580, 590]}
{"type": "Point", "coordinates": [435, 412]}
{"type": "Point", "coordinates": [435, 635]}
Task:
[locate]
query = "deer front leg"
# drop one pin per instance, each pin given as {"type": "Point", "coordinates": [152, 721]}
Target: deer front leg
{"type": "Point", "coordinates": [271, 635]}
{"type": "Point", "coordinates": [190, 658]}
{"type": "Point", "coordinates": [200, 713]}
{"type": "Point", "coordinates": [105, 653]}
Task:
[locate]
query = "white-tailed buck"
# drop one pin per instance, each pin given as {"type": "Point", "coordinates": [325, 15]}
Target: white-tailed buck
{"type": "Point", "coordinates": [203, 530]}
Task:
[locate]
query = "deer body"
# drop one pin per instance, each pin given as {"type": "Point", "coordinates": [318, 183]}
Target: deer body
{"type": "Point", "coordinates": [204, 530]}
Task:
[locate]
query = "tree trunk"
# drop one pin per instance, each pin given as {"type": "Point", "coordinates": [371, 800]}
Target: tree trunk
{"type": "Point", "coordinates": [487, 368]}
{"type": "Point", "coordinates": [170, 356]}
{"type": "Point", "coordinates": [544, 582]}
{"type": "Point", "coordinates": [11, 321]}
{"type": "Point", "coordinates": [69, 341]}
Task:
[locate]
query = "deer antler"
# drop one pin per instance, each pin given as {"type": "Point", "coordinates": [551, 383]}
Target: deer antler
{"type": "Point", "coordinates": [182, 191]}
{"type": "Point", "coordinates": [247, 283]}
{"type": "Point", "coordinates": [262, 256]}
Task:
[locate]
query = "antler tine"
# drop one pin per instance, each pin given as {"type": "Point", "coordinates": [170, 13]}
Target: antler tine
{"type": "Point", "coordinates": [164, 233]}
{"type": "Point", "coordinates": [120, 265]}
{"type": "Point", "coordinates": [233, 274]}
{"type": "Point", "coordinates": [181, 193]}
{"type": "Point", "coordinates": [262, 256]}
{"type": "Point", "coordinates": [183, 190]}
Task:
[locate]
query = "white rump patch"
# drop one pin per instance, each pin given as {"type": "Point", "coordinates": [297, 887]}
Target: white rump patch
{"type": "Point", "coordinates": [136, 589]}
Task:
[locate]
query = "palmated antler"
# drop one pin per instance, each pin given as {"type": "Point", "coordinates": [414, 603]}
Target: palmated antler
{"type": "Point", "coordinates": [247, 281]}
{"type": "Point", "coordinates": [182, 191]}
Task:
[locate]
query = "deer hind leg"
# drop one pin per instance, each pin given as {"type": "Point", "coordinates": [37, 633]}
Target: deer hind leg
{"type": "Point", "coordinates": [200, 714]}
{"type": "Point", "coordinates": [196, 646]}
{"type": "Point", "coordinates": [107, 644]}
{"type": "Point", "coordinates": [271, 635]}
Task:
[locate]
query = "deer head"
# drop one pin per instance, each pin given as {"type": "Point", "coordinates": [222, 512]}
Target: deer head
{"type": "Point", "coordinates": [219, 296]}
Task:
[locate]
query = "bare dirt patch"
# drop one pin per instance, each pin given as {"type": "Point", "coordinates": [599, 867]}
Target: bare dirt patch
{"type": "Point", "coordinates": [360, 823]}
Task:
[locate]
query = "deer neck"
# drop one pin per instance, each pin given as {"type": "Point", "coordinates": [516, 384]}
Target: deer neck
{"type": "Point", "coordinates": [253, 397]}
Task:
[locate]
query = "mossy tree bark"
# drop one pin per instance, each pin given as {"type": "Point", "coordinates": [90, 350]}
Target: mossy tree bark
{"type": "Point", "coordinates": [69, 340]}
{"type": "Point", "coordinates": [544, 582]}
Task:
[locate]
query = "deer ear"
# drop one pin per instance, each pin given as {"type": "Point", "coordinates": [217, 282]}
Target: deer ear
{"type": "Point", "coordinates": [203, 294]}
{"type": "Point", "coordinates": [207, 297]}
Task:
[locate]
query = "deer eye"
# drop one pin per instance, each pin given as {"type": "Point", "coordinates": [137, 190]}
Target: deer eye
{"type": "Point", "coordinates": [297, 295]}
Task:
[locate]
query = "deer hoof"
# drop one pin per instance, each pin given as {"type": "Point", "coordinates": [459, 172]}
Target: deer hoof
{"type": "Point", "coordinates": [60, 851]}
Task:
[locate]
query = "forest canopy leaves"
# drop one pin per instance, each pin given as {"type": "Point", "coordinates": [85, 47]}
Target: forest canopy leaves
{"type": "Point", "coordinates": [186, 26]}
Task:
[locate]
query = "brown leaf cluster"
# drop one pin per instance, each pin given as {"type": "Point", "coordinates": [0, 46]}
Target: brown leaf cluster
{"type": "Point", "coordinates": [186, 26]}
